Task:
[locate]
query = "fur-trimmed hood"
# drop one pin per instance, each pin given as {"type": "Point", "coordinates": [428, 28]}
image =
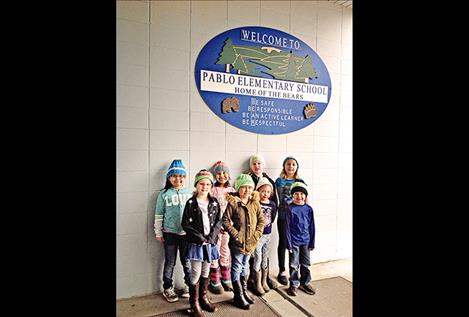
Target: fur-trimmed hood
{"type": "Point", "coordinates": [233, 198]}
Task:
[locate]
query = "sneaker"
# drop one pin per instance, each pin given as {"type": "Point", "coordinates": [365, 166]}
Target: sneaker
{"type": "Point", "coordinates": [291, 291]}
{"type": "Point", "coordinates": [170, 295]}
{"type": "Point", "coordinates": [282, 278]}
{"type": "Point", "coordinates": [308, 289]}
{"type": "Point", "coordinates": [185, 292]}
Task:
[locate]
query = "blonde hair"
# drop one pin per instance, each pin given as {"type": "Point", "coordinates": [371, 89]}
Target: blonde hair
{"type": "Point", "coordinates": [283, 173]}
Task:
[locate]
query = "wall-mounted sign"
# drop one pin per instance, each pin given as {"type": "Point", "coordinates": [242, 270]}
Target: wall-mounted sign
{"type": "Point", "coordinates": [262, 80]}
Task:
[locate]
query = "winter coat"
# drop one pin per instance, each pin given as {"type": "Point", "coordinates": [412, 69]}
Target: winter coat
{"type": "Point", "coordinates": [244, 223]}
{"type": "Point", "coordinates": [193, 225]}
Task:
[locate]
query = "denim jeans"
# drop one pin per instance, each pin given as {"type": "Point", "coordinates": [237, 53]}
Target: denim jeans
{"type": "Point", "coordinates": [173, 242]}
{"type": "Point", "coordinates": [261, 253]}
{"type": "Point", "coordinates": [299, 261]}
{"type": "Point", "coordinates": [239, 265]}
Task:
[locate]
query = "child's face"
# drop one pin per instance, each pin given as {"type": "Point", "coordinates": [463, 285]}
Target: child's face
{"type": "Point", "coordinates": [222, 177]}
{"type": "Point", "coordinates": [203, 187]}
{"type": "Point", "coordinates": [256, 167]}
{"type": "Point", "coordinates": [177, 180]}
{"type": "Point", "coordinates": [245, 192]}
{"type": "Point", "coordinates": [265, 192]}
{"type": "Point", "coordinates": [299, 198]}
{"type": "Point", "coordinates": [290, 167]}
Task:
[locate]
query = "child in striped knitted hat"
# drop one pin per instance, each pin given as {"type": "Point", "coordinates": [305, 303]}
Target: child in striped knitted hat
{"type": "Point", "coordinates": [223, 265]}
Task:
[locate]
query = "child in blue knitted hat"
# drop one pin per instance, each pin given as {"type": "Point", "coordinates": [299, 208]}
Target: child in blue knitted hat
{"type": "Point", "coordinates": [168, 215]}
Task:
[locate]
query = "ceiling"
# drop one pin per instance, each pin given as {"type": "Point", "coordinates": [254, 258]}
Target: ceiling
{"type": "Point", "coordinates": [347, 4]}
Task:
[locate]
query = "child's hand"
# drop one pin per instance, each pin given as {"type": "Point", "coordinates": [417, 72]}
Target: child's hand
{"type": "Point", "coordinates": [311, 249]}
{"type": "Point", "coordinates": [291, 251]}
{"type": "Point", "coordinates": [160, 239]}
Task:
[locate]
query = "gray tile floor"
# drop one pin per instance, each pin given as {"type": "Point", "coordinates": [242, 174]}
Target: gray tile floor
{"type": "Point", "coordinates": [326, 303]}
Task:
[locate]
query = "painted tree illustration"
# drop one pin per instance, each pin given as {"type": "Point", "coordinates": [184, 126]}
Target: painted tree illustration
{"type": "Point", "coordinates": [277, 65]}
{"type": "Point", "coordinates": [227, 55]}
{"type": "Point", "coordinates": [307, 70]}
{"type": "Point", "coordinates": [255, 60]}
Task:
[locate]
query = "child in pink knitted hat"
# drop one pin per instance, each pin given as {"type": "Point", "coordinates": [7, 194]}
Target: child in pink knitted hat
{"type": "Point", "coordinates": [223, 265]}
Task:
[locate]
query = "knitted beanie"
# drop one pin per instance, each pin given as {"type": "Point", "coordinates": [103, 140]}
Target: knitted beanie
{"type": "Point", "coordinates": [291, 158]}
{"type": "Point", "coordinates": [263, 181]}
{"type": "Point", "coordinates": [243, 180]}
{"type": "Point", "coordinates": [299, 187]}
{"type": "Point", "coordinates": [257, 157]}
{"type": "Point", "coordinates": [220, 167]}
{"type": "Point", "coordinates": [176, 168]}
{"type": "Point", "coordinates": [203, 174]}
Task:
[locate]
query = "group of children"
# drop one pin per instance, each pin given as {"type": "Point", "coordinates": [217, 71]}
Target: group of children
{"type": "Point", "coordinates": [223, 233]}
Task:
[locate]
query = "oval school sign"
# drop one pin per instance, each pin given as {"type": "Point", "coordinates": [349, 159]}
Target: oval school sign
{"type": "Point", "coordinates": [262, 80]}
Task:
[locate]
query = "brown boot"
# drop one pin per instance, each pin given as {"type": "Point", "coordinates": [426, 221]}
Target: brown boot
{"type": "Point", "coordinates": [203, 298]}
{"type": "Point", "coordinates": [265, 275]}
{"type": "Point", "coordinates": [194, 301]}
{"type": "Point", "coordinates": [258, 289]}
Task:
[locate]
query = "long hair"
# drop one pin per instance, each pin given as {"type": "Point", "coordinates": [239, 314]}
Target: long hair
{"type": "Point", "coordinates": [283, 173]}
{"type": "Point", "coordinates": [217, 184]}
{"type": "Point", "coordinates": [167, 186]}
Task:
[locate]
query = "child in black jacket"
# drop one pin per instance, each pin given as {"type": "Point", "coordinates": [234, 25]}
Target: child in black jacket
{"type": "Point", "coordinates": [202, 222]}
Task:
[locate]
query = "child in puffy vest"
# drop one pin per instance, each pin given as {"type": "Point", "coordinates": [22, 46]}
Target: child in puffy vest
{"type": "Point", "coordinates": [299, 235]}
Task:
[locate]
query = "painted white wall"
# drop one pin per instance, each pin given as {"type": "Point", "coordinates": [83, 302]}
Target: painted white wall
{"type": "Point", "coordinates": [160, 117]}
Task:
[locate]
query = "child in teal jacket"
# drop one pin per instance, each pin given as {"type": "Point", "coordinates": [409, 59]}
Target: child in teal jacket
{"type": "Point", "coordinates": [168, 215]}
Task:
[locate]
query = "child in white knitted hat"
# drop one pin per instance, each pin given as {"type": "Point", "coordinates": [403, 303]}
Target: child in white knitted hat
{"type": "Point", "coordinates": [261, 254]}
{"type": "Point", "coordinates": [256, 171]}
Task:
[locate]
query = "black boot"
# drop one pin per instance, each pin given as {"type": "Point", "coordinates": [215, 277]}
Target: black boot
{"type": "Point", "coordinates": [270, 282]}
{"type": "Point", "coordinates": [238, 298]}
{"type": "Point", "coordinates": [203, 298]}
{"type": "Point", "coordinates": [252, 274]}
{"type": "Point", "coordinates": [194, 300]}
{"type": "Point", "coordinates": [244, 286]}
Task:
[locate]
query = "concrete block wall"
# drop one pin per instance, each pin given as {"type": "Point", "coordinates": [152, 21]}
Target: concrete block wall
{"type": "Point", "coordinates": [160, 116]}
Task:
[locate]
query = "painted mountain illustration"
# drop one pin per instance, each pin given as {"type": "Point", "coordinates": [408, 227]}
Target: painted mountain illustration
{"type": "Point", "coordinates": [255, 60]}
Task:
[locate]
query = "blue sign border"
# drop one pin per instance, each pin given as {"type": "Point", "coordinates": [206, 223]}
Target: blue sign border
{"type": "Point", "coordinates": [261, 113]}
